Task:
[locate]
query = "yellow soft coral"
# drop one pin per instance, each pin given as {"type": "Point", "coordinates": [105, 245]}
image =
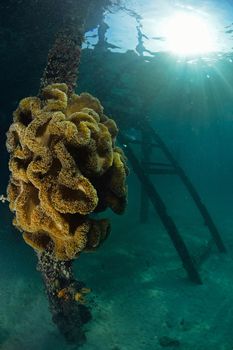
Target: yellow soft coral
{"type": "Point", "coordinates": [64, 166]}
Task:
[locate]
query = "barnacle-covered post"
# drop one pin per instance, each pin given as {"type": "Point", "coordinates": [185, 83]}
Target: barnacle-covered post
{"type": "Point", "coordinates": [61, 286]}
{"type": "Point", "coordinates": [64, 166]}
{"type": "Point", "coordinates": [64, 58]}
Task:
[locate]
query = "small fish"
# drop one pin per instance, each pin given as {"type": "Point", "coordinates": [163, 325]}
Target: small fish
{"type": "Point", "coordinates": [79, 298]}
{"type": "Point", "coordinates": [85, 290]}
{"type": "Point", "coordinates": [63, 293]}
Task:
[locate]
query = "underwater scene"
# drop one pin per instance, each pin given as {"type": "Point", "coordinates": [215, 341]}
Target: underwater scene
{"type": "Point", "coordinates": [116, 188]}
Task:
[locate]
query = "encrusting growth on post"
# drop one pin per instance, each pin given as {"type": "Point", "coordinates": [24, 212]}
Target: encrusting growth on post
{"type": "Point", "coordinates": [62, 288]}
{"type": "Point", "coordinates": [64, 59]}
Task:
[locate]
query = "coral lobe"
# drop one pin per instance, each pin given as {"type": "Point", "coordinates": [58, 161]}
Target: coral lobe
{"type": "Point", "coordinates": [64, 166]}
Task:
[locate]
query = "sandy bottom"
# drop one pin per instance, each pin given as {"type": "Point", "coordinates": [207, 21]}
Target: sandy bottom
{"type": "Point", "coordinates": [141, 297]}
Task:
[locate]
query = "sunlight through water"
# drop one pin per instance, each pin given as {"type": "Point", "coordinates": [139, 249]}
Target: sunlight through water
{"type": "Point", "coordinates": [189, 34]}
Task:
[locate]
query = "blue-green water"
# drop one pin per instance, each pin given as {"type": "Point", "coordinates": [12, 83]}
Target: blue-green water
{"type": "Point", "coordinates": [141, 296]}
